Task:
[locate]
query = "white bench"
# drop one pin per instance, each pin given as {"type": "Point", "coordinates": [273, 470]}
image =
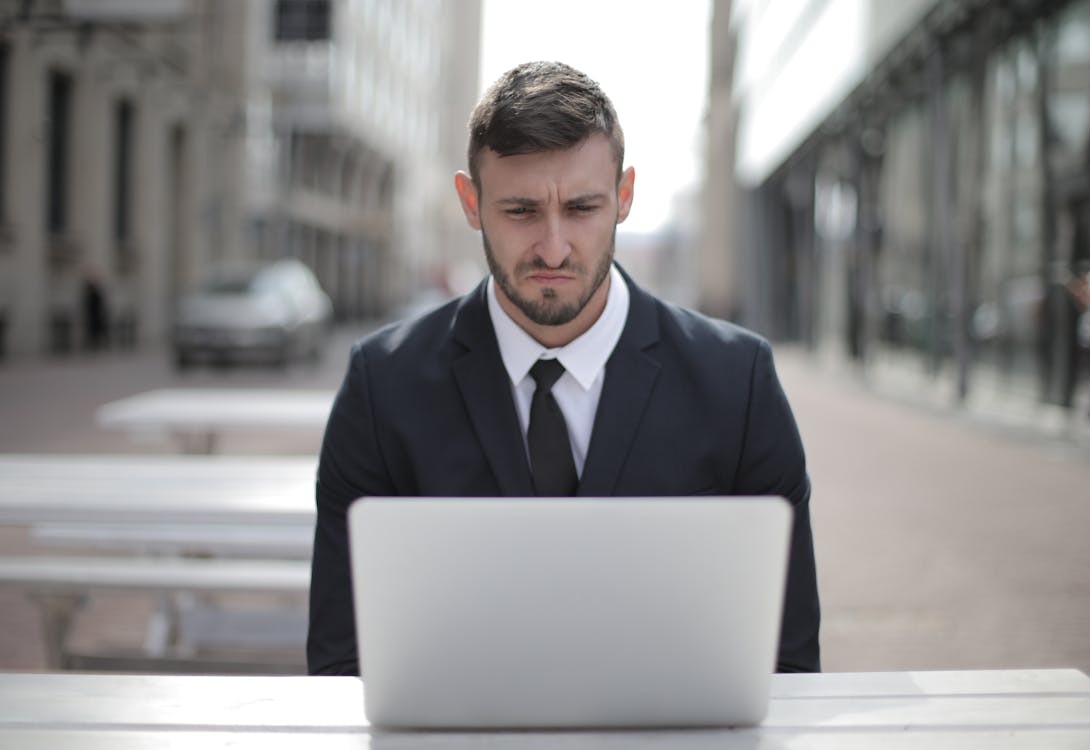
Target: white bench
{"type": "Point", "coordinates": [77, 574]}
{"type": "Point", "coordinates": [254, 491]}
{"type": "Point", "coordinates": [208, 540]}
{"type": "Point", "coordinates": [197, 416]}
{"type": "Point", "coordinates": [59, 586]}
{"type": "Point", "coordinates": [175, 506]}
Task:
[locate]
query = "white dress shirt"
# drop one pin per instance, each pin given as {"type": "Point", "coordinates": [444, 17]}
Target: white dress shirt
{"type": "Point", "coordinates": [584, 359]}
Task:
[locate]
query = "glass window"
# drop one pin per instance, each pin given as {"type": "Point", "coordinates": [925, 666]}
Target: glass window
{"type": "Point", "coordinates": [123, 170]}
{"type": "Point", "coordinates": [902, 264]}
{"type": "Point", "coordinates": [302, 20]}
{"type": "Point", "coordinates": [59, 125]}
{"type": "Point", "coordinates": [4, 92]}
{"type": "Point", "coordinates": [1069, 87]}
{"type": "Point", "coordinates": [1066, 328]}
{"type": "Point", "coordinates": [1006, 324]}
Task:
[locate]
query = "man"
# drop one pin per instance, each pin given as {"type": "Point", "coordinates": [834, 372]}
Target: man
{"type": "Point", "coordinates": [655, 400]}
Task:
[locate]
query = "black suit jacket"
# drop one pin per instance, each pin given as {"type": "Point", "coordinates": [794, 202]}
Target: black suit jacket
{"type": "Point", "coordinates": [690, 406]}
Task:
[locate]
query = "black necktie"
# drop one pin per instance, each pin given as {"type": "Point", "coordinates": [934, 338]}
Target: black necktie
{"type": "Point", "coordinates": [550, 452]}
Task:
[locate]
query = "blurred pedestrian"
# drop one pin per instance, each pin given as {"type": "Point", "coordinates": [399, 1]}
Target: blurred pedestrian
{"type": "Point", "coordinates": [557, 375]}
{"type": "Point", "coordinates": [96, 322]}
{"type": "Point", "coordinates": [1079, 286]}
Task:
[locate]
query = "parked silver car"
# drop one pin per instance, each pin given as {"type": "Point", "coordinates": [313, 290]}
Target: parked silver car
{"type": "Point", "coordinates": [270, 312]}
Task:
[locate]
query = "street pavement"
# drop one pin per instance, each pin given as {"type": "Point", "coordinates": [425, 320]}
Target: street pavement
{"type": "Point", "coordinates": [942, 541]}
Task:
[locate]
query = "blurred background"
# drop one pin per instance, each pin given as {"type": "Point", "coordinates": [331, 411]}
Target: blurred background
{"type": "Point", "coordinates": [899, 185]}
{"type": "Point", "coordinates": [897, 193]}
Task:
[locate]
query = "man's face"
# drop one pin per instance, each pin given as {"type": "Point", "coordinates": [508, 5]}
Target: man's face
{"type": "Point", "coordinates": [548, 222]}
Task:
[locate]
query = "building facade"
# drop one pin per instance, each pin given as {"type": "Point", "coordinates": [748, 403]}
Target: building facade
{"type": "Point", "coordinates": [357, 121]}
{"type": "Point", "coordinates": [916, 188]}
{"type": "Point", "coordinates": [143, 141]}
{"type": "Point", "coordinates": [119, 168]}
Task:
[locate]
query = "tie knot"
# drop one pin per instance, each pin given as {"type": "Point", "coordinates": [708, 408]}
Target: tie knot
{"type": "Point", "coordinates": [546, 372]}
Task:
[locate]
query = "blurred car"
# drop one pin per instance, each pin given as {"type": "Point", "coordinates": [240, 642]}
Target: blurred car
{"type": "Point", "coordinates": [269, 312]}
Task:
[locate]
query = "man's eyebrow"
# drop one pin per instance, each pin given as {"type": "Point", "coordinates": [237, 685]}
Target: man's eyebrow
{"type": "Point", "coordinates": [586, 198]}
{"type": "Point", "coordinates": [516, 200]}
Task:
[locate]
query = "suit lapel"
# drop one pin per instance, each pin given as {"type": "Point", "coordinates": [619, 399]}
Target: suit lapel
{"type": "Point", "coordinates": [631, 373]}
{"type": "Point", "coordinates": [486, 390]}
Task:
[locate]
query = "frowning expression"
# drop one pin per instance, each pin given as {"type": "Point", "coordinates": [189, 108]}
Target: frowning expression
{"type": "Point", "coordinates": [548, 222]}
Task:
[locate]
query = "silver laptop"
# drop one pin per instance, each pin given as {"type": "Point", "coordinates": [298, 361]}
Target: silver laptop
{"type": "Point", "coordinates": [572, 612]}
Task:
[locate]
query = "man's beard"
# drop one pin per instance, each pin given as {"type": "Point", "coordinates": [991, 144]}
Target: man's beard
{"type": "Point", "coordinates": [549, 310]}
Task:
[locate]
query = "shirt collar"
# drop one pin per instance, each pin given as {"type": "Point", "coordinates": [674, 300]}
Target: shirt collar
{"type": "Point", "coordinates": [584, 357]}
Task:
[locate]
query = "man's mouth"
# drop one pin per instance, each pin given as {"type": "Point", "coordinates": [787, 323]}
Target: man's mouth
{"type": "Point", "coordinates": [549, 279]}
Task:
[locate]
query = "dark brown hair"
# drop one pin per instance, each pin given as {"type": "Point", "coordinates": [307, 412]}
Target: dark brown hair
{"type": "Point", "coordinates": [541, 106]}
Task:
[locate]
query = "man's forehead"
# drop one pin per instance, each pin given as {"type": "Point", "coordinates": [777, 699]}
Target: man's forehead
{"type": "Point", "coordinates": [589, 166]}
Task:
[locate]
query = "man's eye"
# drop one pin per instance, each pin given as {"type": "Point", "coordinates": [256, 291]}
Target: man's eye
{"type": "Point", "coordinates": [584, 207]}
{"type": "Point", "coordinates": [518, 211]}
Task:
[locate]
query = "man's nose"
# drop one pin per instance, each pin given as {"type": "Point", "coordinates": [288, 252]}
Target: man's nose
{"type": "Point", "coordinates": [553, 247]}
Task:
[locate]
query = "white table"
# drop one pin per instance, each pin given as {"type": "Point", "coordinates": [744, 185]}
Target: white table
{"type": "Point", "coordinates": [936, 710]}
{"type": "Point", "coordinates": [197, 416]}
{"type": "Point", "coordinates": [169, 490]}
{"type": "Point", "coordinates": [159, 505]}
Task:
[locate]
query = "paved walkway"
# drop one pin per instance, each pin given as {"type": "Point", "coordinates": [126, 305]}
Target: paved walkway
{"type": "Point", "coordinates": [943, 542]}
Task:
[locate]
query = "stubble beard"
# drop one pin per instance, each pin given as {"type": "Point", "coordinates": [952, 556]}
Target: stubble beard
{"type": "Point", "coordinates": [549, 310]}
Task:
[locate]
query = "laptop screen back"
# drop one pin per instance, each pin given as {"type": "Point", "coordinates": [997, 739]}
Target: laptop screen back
{"type": "Point", "coordinates": [567, 612]}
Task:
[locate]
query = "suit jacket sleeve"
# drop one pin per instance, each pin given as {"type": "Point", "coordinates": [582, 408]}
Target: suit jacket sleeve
{"type": "Point", "coordinates": [350, 466]}
{"type": "Point", "coordinates": [773, 462]}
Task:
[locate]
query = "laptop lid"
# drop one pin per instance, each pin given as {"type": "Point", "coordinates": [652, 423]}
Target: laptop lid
{"type": "Point", "coordinates": [568, 612]}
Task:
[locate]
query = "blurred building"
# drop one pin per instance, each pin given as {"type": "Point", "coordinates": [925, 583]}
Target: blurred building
{"type": "Point", "coordinates": [913, 185]}
{"type": "Point", "coordinates": [719, 274]}
{"type": "Point", "coordinates": [142, 141]}
{"type": "Point", "coordinates": [120, 162]}
{"type": "Point", "coordinates": [357, 123]}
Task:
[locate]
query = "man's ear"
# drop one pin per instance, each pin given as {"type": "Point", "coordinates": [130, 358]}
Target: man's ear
{"type": "Point", "coordinates": [625, 190]}
{"type": "Point", "coordinates": [467, 194]}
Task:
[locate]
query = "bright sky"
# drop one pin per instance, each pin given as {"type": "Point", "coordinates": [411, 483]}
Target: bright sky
{"type": "Point", "coordinates": [649, 56]}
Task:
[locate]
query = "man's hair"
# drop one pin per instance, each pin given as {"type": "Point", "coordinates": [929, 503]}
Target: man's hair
{"type": "Point", "coordinates": [541, 106]}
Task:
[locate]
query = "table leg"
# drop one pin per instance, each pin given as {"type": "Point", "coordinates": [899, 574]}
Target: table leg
{"type": "Point", "coordinates": [200, 443]}
{"type": "Point", "coordinates": [57, 611]}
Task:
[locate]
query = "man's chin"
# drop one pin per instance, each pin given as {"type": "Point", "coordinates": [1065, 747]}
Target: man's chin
{"type": "Point", "coordinates": [548, 310]}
